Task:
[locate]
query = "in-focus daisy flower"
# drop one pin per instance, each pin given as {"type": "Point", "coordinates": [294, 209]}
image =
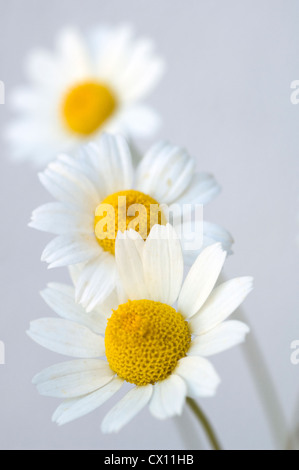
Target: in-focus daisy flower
{"type": "Point", "coordinates": [104, 175]}
{"type": "Point", "coordinates": [156, 335]}
{"type": "Point", "coordinates": [90, 84]}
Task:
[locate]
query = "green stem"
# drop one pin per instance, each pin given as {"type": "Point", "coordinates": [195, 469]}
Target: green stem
{"type": "Point", "coordinates": [265, 386]}
{"type": "Point", "coordinates": [264, 383]}
{"type": "Point", "coordinates": [205, 423]}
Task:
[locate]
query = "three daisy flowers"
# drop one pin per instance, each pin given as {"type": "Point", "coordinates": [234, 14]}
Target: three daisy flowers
{"type": "Point", "coordinates": [130, 315]}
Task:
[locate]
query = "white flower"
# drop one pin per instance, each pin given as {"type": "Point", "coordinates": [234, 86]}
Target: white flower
{"type": "Point", "coordinates": [90, 84]}
{"type": "Point", "coordinates": [159, 349]}
{"type": "Point", "coordinates": [103, 173]}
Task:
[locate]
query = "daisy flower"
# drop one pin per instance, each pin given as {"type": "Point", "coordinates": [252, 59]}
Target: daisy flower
{"type": "Point", "coordinates": [90, 84]}
{"type": "Point", "coordinates": [155, 335]}
{"type": "Point", "coordinates": [103, 175]}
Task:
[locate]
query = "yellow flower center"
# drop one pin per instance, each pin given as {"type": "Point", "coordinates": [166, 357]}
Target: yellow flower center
{"type": "Point", "coordinates": [87, 106]}
{"type": "Point", "coordinates": [144, 341]}
{"type": "Point", "coordinates": [118, 212]}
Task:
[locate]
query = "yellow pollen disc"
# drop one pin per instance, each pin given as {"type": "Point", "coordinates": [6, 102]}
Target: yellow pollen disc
{"type": "Point", "coordinates": [124, 210]}
{"type": "Point", "coordinates": [144, 341]}
{"type": "Point", "coordinates": [87, 106]}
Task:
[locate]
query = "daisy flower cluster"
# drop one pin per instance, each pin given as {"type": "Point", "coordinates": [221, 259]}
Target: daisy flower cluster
{"type": "Point", "coordinates": [132, 315]}
{"type": "Point", "coordinates": [89, 84]}
{"type": "Point", "coordinates": [154, 333]}
{"type": "Point", "coordinates": [103, 174]}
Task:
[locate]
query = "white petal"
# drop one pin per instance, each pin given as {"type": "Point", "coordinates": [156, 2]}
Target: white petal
{"type": "Point", "coordinates": [165, 172]}
{"type": "Point", "coordinates": [223, 337]}
{"type": "Point", "coordinates": [190, 232]}
{"type": "Point", "coordinates": [70, 186]}
{"type": "Point", "coordinates": [96, 281]}
{"type": "Point", "coordinates": [66, 337]}
{"type": "Point", "coordinates": [115, 163]}
{"type": "Point", "coordinates": [139, 120]}
{"type": "Point", "coordinates": [199, 375]}
{"type": "Point", "coordinates": [213, 233]}
{"type": "Point", "coordinates": [137, 87]}
{"type": "Point", "coordinates": [163, 264]}
{"type": "Point", "coordinates": [73, 379]}
{"type": "Point", "coordinates": [75, 271]}
{"type": "Point", "coordinates": [197, 234]}
{"type": "Point", "coordinates": [73, 55]}
{"type": "Point", "coordinates": [87, 162]}
{"type": "Point", "coordinates": [201, 280]}
{"type": "Point", "coordinates": [63, 408]}
{"type": "Point", "coordinates": [168, 397]}
{"type": "Point", "coordinates": [142, 71]}
{"type": "Point", "coordinates": [128, 256]}
{"type": "Point", "coordinates": [221, 304]}
{"type": "Point", "coordinates": [76, 408]}
{"type": "Point", "coordinates": [61, 298]}
{"type": "Point", "coordinates": [59, 218]}
{"type": "Point", "coordinates": [202, 189]}
{"type": "Point", "coordinates": [111, 51]}
{"type": "Point", "coordinates": [71, 249]}
{"type": "Point", "coordinates": [128, 407]}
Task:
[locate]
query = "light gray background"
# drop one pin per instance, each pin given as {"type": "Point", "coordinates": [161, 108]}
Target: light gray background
{"type": "Point", "coordinates": [226, 97]}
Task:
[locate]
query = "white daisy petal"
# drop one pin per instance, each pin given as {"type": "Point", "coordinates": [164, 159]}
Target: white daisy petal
{"type": "Point", "coordinates": [61, 298]}
{"type": "Point", "coordinates": [222, 337]}
{"type": "Point", "coordinates": [70, 249]}
{"type": "Point", "coordinates": [127, 408]}
{"type": "Point", "coordinates": [87, 161]}
{"type": "Point", "coordinates": [165, 172]}
{"type": "Point", "coordinates": [75, 271]}
{"type": "Point", "coordinates": [223, 301]}
{"type": "Point", "coordinates": [63, 408]}
{"type": "Point", "coordinates": [96, 281]}
{"type": "Point", "coordinates": [128, 68]}
{"type": "Point", "coordinates": [115, 162]}
{"type": "Point", "coordinates": [112, 51]}
{"type": "Point", "coordinates": [179, 176]}
{"type": "Point", "coordinates": [142, 73]}
{"type": "Point", "coordinates": [66, 337]}
{"type": "Point", "coordinates": [139, 120]}
{"type": "Point", "coordinates": [70, 186]}
{"type": "Point", "coordinates": [163, 264]}
{"type": "Point", "coordinates": [202, 189]}
{"type": "Point", "coordinates": [201, 280]}
{"type": "Point", "coordinates": [128, 256]}
{"type": "Point", "coordinates": [197, 234]}
{"type": "Point", "coordinates": [199, 375]}
{"type": "Point", "coordinates": [213, 233]}
{"type": "Point", "coordinates": [168, 397]}
{"type": "Point", "coordinates": [76, 408]}
{"type": "Point", "coordinates": [74, 55]}
{"type": "Point", "coordinates": [73, 379]}
{"type": "Point", "coordinates": [59, 218]}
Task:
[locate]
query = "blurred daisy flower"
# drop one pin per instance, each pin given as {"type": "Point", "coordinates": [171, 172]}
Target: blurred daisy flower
{"type": "Point", "coordinates": [147, 342]}
{"type": "Point", "coordinates": [103, 176]}
{"type": "Point", "coordinates": [90, 84]}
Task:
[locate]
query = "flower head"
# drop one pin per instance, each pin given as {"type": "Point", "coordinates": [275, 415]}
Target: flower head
{"type": "Point", "coordinates": [155, 333]}
{"type": "Point", "coordinates": [90, 84]}
{"type": "Point", "coordinates": [99, 194]}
